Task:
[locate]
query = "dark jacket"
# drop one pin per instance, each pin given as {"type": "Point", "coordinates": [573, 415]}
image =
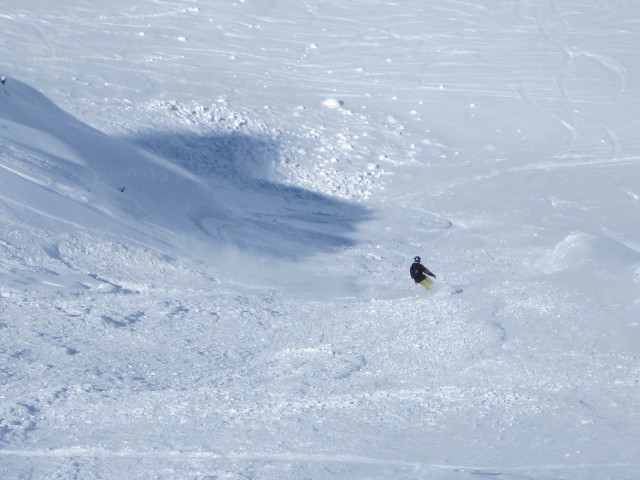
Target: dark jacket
{"type": "Point", "coordinates": [419, 272]}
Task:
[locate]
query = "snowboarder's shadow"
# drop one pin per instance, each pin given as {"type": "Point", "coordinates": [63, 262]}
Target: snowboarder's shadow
{"type": "Point", "coordinates": [269, 216]}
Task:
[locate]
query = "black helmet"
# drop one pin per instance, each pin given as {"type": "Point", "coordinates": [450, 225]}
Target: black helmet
{"type": "Point", "coordinates": [416, 259]}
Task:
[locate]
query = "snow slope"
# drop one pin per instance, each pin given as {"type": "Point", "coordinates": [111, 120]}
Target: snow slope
{"type": "Point", "coordinates": [208, 211]}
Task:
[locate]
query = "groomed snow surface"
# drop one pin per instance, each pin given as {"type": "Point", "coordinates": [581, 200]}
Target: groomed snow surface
{"type": "Point", "coordinates": [208, 211]}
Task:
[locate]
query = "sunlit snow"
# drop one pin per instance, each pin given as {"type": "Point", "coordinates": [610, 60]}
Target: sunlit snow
{"type": "Point", "coordinates": [208, 211]}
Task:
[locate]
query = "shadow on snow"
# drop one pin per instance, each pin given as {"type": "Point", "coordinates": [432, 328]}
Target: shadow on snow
{"type": "Point", "coordinates": [268, 216]}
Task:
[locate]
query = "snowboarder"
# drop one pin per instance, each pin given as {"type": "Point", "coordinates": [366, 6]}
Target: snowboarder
{"type": "Point", "coordinates": [419, 273]}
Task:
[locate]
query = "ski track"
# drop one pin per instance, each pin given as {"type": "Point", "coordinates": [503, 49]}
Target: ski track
{"type": "Point", "coordinates": [489, 470]}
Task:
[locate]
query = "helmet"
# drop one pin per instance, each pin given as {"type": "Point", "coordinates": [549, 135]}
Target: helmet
{"type": "Point", "coordinates": [416, 259]}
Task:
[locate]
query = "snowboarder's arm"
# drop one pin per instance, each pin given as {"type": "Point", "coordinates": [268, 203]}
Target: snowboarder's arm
{"type": "Point", "coordinates": [426, 271]}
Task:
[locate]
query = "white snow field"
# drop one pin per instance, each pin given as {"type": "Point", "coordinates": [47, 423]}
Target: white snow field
{"type": "Point", "coordinates": [208, 210]}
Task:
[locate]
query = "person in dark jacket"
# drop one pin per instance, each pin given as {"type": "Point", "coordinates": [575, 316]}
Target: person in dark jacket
{"type": "Point", "coordinates": [419, 273]}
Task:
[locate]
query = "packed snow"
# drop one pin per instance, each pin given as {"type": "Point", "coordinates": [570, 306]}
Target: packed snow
{"type": "Point", "coordinates": [208, 211]}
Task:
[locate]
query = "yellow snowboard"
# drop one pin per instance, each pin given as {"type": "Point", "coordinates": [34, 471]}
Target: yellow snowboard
{"type": "Point", "coordinates": [427, 283]}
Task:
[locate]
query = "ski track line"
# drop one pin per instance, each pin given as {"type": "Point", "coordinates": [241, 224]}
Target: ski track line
{"type": "Point", "coordinates": [80, 227]}
{"type": "Point", "coordinates": [294, 457]}
{"type": "Point", "coordinates": [547, 166]}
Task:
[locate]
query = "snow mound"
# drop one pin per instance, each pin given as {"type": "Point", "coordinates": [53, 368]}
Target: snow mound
{"type": "Point", "coordinates": [602, 268]}
{"type": "Point", "coordinates": [579, 249]}
{"type": "Point", "coordinates": [186, 191]}
{"type": "Point", "coordinates": [333, 103]}
{"type": "Point", "coordinates": [69, 173]}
